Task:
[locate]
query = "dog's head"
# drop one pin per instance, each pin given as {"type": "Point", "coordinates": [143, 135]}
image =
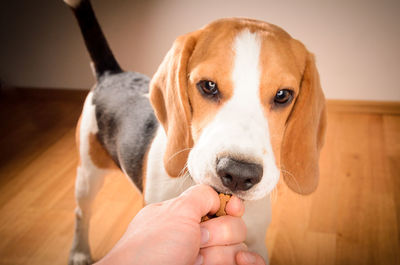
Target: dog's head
{"type": "Point", "coordinates": [241, 103]}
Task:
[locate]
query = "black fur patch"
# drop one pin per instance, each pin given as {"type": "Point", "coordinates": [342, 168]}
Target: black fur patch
{"type": "Point", "coordinates": [95, 41]}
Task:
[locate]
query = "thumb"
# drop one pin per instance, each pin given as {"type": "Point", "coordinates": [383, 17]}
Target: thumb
{"type": "Point", "coordinates": [249, 258]}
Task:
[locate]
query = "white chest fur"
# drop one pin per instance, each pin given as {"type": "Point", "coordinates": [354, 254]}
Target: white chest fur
{"type": "Point", "coordinates": [159, 186]}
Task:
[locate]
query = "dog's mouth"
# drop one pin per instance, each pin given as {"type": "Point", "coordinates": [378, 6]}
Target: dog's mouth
{"type": "Point", "coordinates": [240, 194]}
{"type": "Point", "coordinates": [219, 191]}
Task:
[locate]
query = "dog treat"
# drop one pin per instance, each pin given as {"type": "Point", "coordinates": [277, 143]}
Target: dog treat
{"type": "Point", "coordinates": [223, 198]}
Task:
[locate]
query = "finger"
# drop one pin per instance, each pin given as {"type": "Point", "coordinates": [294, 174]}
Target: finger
{"type": "Point", "coordinates": [235, 207]}
{"type": "Point", "coordinates": [224, 230]}
{"type": "Point", "coordinates": [221, 254]}
{"type": "Point", "coordinates": [249, 258]}
{"type": "Point", "coordinates": [198, 201]}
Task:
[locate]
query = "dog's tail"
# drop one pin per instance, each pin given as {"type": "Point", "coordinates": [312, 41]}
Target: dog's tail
{"type": "Point", "coordinates": [96, 44]}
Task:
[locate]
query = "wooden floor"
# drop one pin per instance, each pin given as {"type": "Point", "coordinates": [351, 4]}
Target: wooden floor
{"type": "Point", "coordinates": [353, 218]}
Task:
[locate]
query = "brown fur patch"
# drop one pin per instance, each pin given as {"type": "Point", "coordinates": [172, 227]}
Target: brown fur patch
{"type": "Point", "coordinates": [211, 60]}
{"type": "Point", "coordinates": [99, 155]}
{"type": "Point", "coordinates": [281, 63]}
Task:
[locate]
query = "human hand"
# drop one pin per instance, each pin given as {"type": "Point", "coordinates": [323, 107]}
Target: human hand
{"type": "Point", "coordinates": [170, 232]}
{"type": "Point", "coordinates": [249, 258]}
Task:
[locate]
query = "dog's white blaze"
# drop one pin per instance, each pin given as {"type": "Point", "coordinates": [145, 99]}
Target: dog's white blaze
{"type": "Point", "coordinates": [240, 128]}
{"type": "Point", "coordinates": [246, 72]}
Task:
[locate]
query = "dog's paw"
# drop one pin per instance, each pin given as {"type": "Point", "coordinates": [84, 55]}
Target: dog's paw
{"type": "Point", "coordinates": [80, 258]}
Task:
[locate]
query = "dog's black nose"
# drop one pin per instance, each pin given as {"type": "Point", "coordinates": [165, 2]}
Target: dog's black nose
{"type": "Point", "coordinates": [238, 175]}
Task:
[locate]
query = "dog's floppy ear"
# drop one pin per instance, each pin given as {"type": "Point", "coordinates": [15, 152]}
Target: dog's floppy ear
{"type": "Point", "coordinates": [304, 134]}
{"type": "Point", "coordinates": [169, 98]}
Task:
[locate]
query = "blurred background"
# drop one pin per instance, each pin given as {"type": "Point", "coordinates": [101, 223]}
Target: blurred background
{"type": "Point", "coordinates": [353, 217]}
{"type": "Point", "coordinates": [356, 43]}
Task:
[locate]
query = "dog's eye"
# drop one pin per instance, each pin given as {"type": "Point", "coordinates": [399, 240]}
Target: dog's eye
{"type": "Point", "coordinates": [208, 88]}
{"type": "Point", "coordinates": [283, 96]}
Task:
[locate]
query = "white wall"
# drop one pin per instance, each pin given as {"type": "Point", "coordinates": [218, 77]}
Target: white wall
{"type": "Point", "coordinates": [356, 42]}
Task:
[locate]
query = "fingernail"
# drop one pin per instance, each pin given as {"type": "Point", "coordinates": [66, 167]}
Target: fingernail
{"type": "Point", "coordinates": [205, 235]}
{"type": "Point", "coordinates": [199, 260]}
{"type": "Point", "coordinates": [248, 257]}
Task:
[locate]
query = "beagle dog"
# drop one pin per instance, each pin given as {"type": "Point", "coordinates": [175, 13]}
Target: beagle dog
{"type": "Point", "coordinates": [234, 105]}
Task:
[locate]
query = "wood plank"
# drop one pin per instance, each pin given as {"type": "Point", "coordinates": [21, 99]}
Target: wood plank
{"type": "Point", "coordinates": [353, 216]}
{"type": "Point", "coordinates": [363, 106]}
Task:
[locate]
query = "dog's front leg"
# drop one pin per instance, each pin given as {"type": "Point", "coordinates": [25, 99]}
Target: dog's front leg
{"type": "Point", "coordinates": [257, 217]}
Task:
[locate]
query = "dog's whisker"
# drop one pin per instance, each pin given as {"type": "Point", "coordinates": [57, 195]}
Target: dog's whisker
{"type": "Point", "coordinates": [177, 153]}
{"type": "Point", "coordinates": [183, 171]}
{"type": "Point", "coordinates": [274, 194]}
{"type": "Point", "coordinates": [292, 178]}
{"type": "Point", "coordinates": [184, 177]}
